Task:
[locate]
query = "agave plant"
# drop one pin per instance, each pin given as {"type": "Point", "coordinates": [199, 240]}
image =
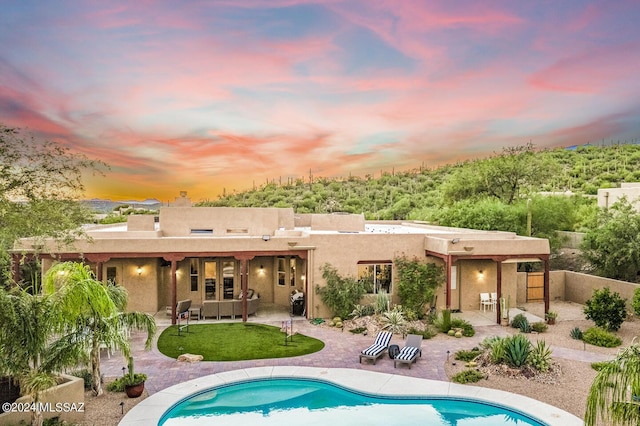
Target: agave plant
{"type": "Point", "coordinates": [394, 320]}
{"type": "Point", "coordinates": [516, 350]}
{"type": "Point", "coordinates": [540, 356]}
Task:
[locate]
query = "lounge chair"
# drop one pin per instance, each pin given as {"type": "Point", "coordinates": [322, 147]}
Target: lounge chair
{"type": "Point", "coordinates": [378, 348]}
{"type": "Point", "coordinates": [409, 354]}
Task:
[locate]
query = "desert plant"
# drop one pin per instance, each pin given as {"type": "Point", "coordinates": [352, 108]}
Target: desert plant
{"type": "Point", "coordinates": [516, 350]}
{"type": "Point", "coordinates": [606, 309]}
{"type": "Point", "coordinates": [599, 365]}
{"type": "Point", "coordinates": [394, 320]}
{"type": "Point", "coordinates": [382, 302]}
{"type": "Point", "coordinates": [496, 347]}
{"type": "Point", "coordinates": [427, 333]}
{"type": "Point", "coordinates": [362, 311]}
{"type": "Point", "coordinates": [417, 283]}
{"type": "Point", "coordinates": [539, 327]}
{"type": "Point", "coordinates": [358, 330]}
{"type": "Point", "coordinates": [521, 322]}
{"type": "Point", "coordinates": [86, 375]}
{"type": "Point", "coordinates": [540, 356]}
{"type": "Point", "coordinates": [443, 323]}
{"type": "Point", "coordinates": [467, 328]}
{"type": "Point", "coordinates": [551, 317]}
{"type": "Point", "coordinates": [576, 333]}
{"type": "Point", "coordinates": [468, 376]}
{"type": "Point", "coordinates": [467, 355]}
{"type": "Point", "coordinates": [635, 301]}
{"type": "Point", "coordinates": [600, 337]}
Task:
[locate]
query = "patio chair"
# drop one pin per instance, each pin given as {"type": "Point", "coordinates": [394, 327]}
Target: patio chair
{"type": "Point", "coordinates": [485, 300]}
{"type": "Point", "coordinates": [379, 347]}
{"type": "Point", "coordinates": [412, 349]}
{"type": "Point", "coordinates": [494, 300]}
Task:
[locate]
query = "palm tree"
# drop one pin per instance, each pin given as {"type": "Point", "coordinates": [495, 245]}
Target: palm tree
{"type": "Point", "coordinates": [30, 352]}
{"type": "Point", "coordinates": [614, 396]}
{"type": "Point", "coordinates": [89, 313]}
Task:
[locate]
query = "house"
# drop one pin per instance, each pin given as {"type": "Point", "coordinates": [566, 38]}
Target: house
{"type": "Point", "coordinates": [218, 253]}
{"type": "Point", "coordinates": [609, 196]}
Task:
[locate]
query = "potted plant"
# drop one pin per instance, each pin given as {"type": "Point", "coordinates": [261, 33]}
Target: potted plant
{"type": "Point", "coordinates": [551, 317]}
{"type": "Point", "coordinates": [504, 311]}
{"type": "Point", "coordinates": [133, 382]}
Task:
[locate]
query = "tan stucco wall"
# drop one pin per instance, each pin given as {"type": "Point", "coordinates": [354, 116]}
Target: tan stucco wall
{"type": "Point", "coordinates": [579, 287]}
{"type": "Point", "coordinates": [70, 392]}
{"type": "Point", "coordinates": [609, 196]}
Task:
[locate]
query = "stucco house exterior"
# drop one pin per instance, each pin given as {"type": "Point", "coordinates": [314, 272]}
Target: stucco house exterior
{"type": "Point", "coordinates": [217, 253]}
{"type": "Point", "coordinates": [609, 196]}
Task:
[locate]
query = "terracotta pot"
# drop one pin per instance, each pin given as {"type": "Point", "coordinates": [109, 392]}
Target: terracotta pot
{"type": "Point", "coordinates": [134, 391]}
{"type": "Point", "coordinates": [504, 322]}
{"type": "Point", "coordinates": [551, 321]}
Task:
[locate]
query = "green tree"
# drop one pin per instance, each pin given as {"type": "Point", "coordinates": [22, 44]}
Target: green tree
{"type": "Point", "coordinates": [89, 313]}
{"type": "Point", "coordinates": [615, 392]}
{"type": "Point", "coordinates": [613, 248]}
{"type": "Point", "coordinates": [607, 310]}
{"type": "Point", "coordinates": [417, 283]}
{"type": "Point", "coordinates": [40, 185]}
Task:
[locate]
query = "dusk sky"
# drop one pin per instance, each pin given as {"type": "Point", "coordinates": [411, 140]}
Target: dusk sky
{"type": "Point", "coordinates": [205, 95]}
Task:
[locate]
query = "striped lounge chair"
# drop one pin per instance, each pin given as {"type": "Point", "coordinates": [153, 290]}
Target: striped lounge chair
{"type": "Point", "coordinates": [409, 354]}
{"type": "Point", "coordinates": [378, 348]}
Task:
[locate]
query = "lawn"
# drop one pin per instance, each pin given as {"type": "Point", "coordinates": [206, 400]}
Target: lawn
{"type": "Point", "coordinates": [235, 342]}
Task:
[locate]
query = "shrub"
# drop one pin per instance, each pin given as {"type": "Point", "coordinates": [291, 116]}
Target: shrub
{"type": "Point", "coordinates": [576, 333]}
{"type": "Point", "coordinates": [444, 322]}
{"type": "Point", "coordinates": [382, 302]}
{"type": "Point", "coordinates": [516, 350]}
{"type": "Point", "coordinates": [635, 302]}
{"type": "Point", "coordinates": [340, 295]}
{"type": "Point", "coordinates": [427, 333]}
{"type": "Point", "coordinates": [599, 337]}
{"type": "Point", "coordinates": [540, 356]}
{"type": "Point", "coordinates": [358, 330]}
{"type": "Point", "coordinates": [521, 322]}
{"type": "Point", "coordinates": [539, 327]}
{"type": "Point", "coordinates": [606, 309]}
{"type": "Point", "coordinates": [85, 375]}
{"type": "Point", "coordinates": [495, 345]}
{"type": "Point", "coordinates": [467, 356]}
{"type": "Point", "coordinates": [599, 365]}
{"type": "Point", "coordinates": [467, 328]}
{"type": "Point", "coordinates": [362, 311]}
{"type": "Point", "coordinates": [417, 283]}
{"type": "Point", "coordinates": [468, 376]}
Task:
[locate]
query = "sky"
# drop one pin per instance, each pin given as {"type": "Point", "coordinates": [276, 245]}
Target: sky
{"type": "Point", "coordinates": [221, 96]}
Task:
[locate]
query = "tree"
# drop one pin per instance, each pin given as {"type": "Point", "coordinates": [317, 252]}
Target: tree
{"type": "Point", "coordinates": [615, 392]}
{"type": "Point", "coordinates": [607, 310]}
{"type": "Point", "coordinates": [417, 283]}
{"type": "Point", "coordinates": [40, 185]}
{"type": "Point", "coordinates": [613, 248]}
{"type": "Point", "coordinates": [505, 176]}
{"type": "Point", "coordinates": [90, 313]}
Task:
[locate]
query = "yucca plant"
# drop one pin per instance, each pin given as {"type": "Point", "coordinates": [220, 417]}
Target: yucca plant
{"type": "Point", "coordinates": [516, 350]}
{"type": "Point", "coordinates": [576, 333]}
{"type": "Point", "coordinates": [495, 345]}
{"type": "Point", "coordinates": [394, 320]}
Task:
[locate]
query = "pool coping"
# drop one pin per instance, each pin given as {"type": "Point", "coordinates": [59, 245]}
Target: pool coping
{"type": "Point", "coordinates": [151, 410]}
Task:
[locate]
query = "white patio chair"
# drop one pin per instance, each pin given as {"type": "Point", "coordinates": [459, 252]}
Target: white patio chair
{"type": "Point", "coordinates": [485, 300]}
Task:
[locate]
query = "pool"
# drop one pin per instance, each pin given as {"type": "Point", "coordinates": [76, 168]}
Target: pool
{"type": "Point", "coordinates": [283, 401]}
{"type": "Point", "coordinates": [392, 388]}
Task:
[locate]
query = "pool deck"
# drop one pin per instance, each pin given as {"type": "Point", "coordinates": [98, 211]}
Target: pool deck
{"type": "Point", "coordinates": [338, 357]}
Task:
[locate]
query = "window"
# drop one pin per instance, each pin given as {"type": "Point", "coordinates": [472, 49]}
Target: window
{"type": "Point", "coordinates": [202, 231]}
{"type": "Point", "coordinates": [210, 277]}
{"type": "Point", "coordinates": [193, 274]}
{"type": "Point", "coordinates": [282, 272]}
{"type": "Point", "coordinates": [377, 276]}
{"type": "Point", "coordinates": [292, 263]}
{"type": "Point", "coordinates": [112, 275]}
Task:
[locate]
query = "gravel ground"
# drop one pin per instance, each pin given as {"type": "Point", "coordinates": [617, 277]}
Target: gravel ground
{"type": "Point", "coordinates": [566, 388]}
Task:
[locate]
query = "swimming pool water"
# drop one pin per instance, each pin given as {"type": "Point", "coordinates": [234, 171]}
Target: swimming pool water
{"type": "Point", "coordinates": [313, 402]}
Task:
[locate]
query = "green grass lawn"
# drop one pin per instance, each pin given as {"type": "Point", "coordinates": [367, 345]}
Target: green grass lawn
{"type": "Point", "coordinates": [235, 342]}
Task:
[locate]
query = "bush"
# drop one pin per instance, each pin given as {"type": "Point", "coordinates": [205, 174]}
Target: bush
{"type": "Point", "coordinates": [340, 295]}
{"type": "Point", "coordinates": [599, 337]}
{"type": "Point", "coordinates": [496, 347]}
{"type": "Point", "coordinates": [468, 376]}
{"type": "Point", "coordinates": [382, 302]}
{"type": "Point", "coordinates": [540, 356]}
{"type": "Point", "coordinates": [362, 311]}
{"type": "Point", "coordinates": [444, 322]}
{"type": "Point", "coordinates": [521, 322]}
{"type": "Point", "coordinates": [576, 333]}
{"type": "Point", "coordinates": [635, 302]}
{"type": "Point", "coordinates": [85, 375]}
{"type": "Point", "coordinates": [417, 283]}
{"type": "Point", "coordinates": [427, 333]}
{"type": "Point", "coordinates": [599, 365]}
{"type": "Point", "coordinates": [516, 350]}
{"type": "Point", "coordinates": [606, 309]}
{"type": "Point", "coordinates": [467, 356]}
{"type": "Point", "coordinates": [467, 328]}
{"type": "Point", "coordinates": [539, 327]}
{"type": "Point", "coordinates": [358, 330]}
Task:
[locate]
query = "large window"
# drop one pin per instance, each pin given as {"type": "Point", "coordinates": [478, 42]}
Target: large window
{"type": "Point", "coordinates": [282, 272]}
{"type": "Point", "coordinates": [193, 274]}
{"type": "Point", "coordinates": [377, 276]}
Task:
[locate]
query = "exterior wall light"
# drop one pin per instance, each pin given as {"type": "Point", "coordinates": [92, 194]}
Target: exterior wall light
{"type": "Point", "coordinates": [139, 270]}
{"type": "Point", "coordinates": [266, 237]}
